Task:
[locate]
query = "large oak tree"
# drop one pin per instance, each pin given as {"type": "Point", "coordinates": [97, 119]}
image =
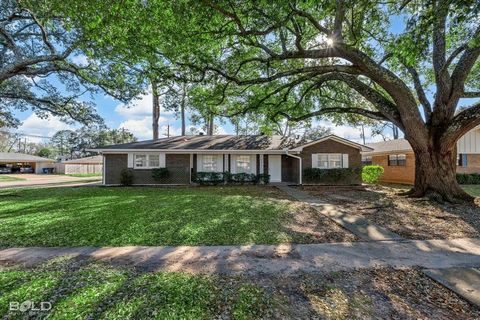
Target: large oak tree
{"type": "Point", "coordinates": [407, 62]}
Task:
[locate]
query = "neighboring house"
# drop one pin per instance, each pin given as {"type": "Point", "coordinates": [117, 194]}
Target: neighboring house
{"type": "Point", "coordinates": [21, 162]}
{"type": "Point", "coordinates": [92, 164]}
{"type": "Point", "coordinates": [184, 156]}
{"type": "Point", "coordinates": [398, 160]}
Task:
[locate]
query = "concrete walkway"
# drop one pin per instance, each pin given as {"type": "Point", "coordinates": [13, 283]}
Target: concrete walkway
{"type": "Point", "coordinates": [357, 225]}
{"type": "Point", "coordinates": [464, 281]}
{"type": "Point", "coordinates": [460, 279]}
{"type": "Point", "coordinates": [269, 259]}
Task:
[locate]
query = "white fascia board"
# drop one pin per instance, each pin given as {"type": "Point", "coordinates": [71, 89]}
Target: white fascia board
{"type": "Point", "coordinates": [189, 151]}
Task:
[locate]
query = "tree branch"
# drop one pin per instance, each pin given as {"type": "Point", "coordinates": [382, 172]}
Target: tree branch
{"type": "Point", "coordinates": [422, 97]}
{"type": "Point", "coordinates": [471, 94]}
{"type": "Point", "coordinates": [464, 121]}
{"type": "Point", "coordinates": [363, 112]}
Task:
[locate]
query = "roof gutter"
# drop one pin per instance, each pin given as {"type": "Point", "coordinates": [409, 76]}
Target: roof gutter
{"type": "Point", "coordinates": [299, 162]}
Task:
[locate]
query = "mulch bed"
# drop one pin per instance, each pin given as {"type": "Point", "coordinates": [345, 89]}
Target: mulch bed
{"type": "Point", "coordinates": [410, 218]}
{"type": "Point", "coordinates": [383, 293]}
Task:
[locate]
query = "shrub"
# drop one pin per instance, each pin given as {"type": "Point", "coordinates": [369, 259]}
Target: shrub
{"type": "Point", "coordinates": [215, 178]}
{"type": "Point", "coordinates": [332, 176]}
{"type": "Point", "coordinates": [263, 178]}
{"type": "Point", "coordinates": [243, 177]}
{"type": "Point", "coordinates": [160, 174]}
{"type": "Point", "coordinates": [126, 177]}
{"type": "Point", "coordinates": [372, 173]}
{"type": "Point", "coordinates": [468, 178]}
{"type": "Point", "coordinates": [209, 178]}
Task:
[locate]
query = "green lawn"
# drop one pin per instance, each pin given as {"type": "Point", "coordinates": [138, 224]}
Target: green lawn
{"type": "Point", "coordinates": [81, 175]}
{"type": "Point", "coordinates": [101, 216]}
{"type": "Point", "coordinates": [473, 189]}
{"type": "Point", "coordinates": [84, 290]}
{"type": "Point", "coordinates": [10, 178]}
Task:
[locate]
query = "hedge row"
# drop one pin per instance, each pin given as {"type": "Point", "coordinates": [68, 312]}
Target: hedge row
{"type": "Point", "coordinates": [468, 178]}
{"type": "Point", "coordinates": [214, 178]}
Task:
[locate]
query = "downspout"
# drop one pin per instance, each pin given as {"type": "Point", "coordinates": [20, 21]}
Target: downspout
{"type": "Point", "coordinates": [299, 162]}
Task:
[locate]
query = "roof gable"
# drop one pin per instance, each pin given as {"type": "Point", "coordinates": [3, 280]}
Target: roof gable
{"type": "Point", "coordinates": [336, 139]}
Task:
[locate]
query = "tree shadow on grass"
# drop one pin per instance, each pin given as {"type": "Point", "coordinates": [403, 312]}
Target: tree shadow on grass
{"type": "Point", "coordinates": [82, 288]}
{"type": "Point", "coordinates": [153, 216]}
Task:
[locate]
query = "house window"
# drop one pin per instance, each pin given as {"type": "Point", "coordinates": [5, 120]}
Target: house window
{"type": "Point", "coordinates": [209, 163]}
{"type": "Point", "coordinates": [140, 161]}
{"type": "Point", "coordinates": [367, 160]}
{"type": "Point", "coordinates": [329, 160]}
{"type": "Point", "coordinates": [397, 160]}
{"type": "Point", "coordinates": [147, 161]}
{"type": "Point", "coordinates": [462, 160]}
{"type": "Point", "coordinates": [243, 164]}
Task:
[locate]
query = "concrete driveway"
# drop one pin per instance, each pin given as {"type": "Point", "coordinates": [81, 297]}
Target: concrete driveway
{"type": "Point", "coordinates": [47, 180]}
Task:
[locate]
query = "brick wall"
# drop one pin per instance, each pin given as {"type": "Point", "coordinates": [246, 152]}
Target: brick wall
{"type": "Point", "coordinates": [330, 146]}
{"type": "Point", "coordinates": [406, 174]}
{"type": "Point", "coordinates": [178, 167]}
{"type": "Point", "coordinates": [396, 174]}
{"type": "Point", "coordinates": [473, 164]}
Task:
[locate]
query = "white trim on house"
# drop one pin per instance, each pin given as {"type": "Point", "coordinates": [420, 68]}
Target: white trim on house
{"type": "Point", "coordinates": [252, 161]}
{"type": "Point", "coordinates": [216, 158]}
{"type": "Point", "coordinates": [343, 158]}
{"type": "Point", "coordinates": [189, 151]}
{"type": "Point", "coordinates": [161, 160]}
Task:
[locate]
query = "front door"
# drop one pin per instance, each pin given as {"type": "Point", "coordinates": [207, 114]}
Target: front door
{"type": "Point", "coordinates": [275, 167]}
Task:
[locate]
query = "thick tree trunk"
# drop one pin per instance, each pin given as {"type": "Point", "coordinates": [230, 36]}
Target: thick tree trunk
{"type": "Point", "coordinates": [155, 110]}
{"type": "Point", "coordinates": [182, 111]}
{"type": "Point", "coordinates": [210, 125]}
{"type": "Point", "coordinates": [435, 176]}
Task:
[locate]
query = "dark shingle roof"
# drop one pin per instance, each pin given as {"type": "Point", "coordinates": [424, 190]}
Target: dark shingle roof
{"type": "Point", "coordinates": [396, 145]}
{"type": "Point", "coordinates": [204, 142]}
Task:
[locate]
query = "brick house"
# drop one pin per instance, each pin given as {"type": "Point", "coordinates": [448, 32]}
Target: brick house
{"type": "Point", "coordinates": [398, 160]}
{"type": "Point", "coordinates": [184, 156]}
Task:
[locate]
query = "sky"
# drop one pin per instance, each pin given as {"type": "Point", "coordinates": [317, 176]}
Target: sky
{"type": "Point", "coordinates": [136, 116]}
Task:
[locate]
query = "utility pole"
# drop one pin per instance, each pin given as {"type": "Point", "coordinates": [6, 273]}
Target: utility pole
{"type": "Point", "coordinates": [168, 130]}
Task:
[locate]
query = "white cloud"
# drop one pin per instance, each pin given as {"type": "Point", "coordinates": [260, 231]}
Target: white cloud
{"type": "Point", "coordinates": [142, 128]}
{"type": "Point", "coordinates": [42, 127]}
{"type": "Point", "coordinates": [80, 60]}
{"type": "Point", "coordinates": [139, 108]}
{"type": "Point", "coordinates": [354, 133]}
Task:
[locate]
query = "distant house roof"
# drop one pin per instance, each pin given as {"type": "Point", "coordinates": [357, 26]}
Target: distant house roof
{"type": "Point", "coordinates": [21, 157]}
{"type": "Point", "coordinates": [219, 143]}
{"type": "Point", "coordinates": [397, 145]}
{"type": "Point", "coordinates": [86, 160]}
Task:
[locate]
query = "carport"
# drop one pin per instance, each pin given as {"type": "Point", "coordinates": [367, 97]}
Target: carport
{"type": "Point", "coordinates": [16, 160]}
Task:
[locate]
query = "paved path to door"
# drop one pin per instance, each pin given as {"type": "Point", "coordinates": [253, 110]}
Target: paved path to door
{"type": "Point", "coordinates": [359, 226]}
{"type": "Point", "coordinates": [269, 259]}
{"type": "Point", "coordinates": [47, 180]}
{"type": "Point", "coordinates": [461, 279]}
